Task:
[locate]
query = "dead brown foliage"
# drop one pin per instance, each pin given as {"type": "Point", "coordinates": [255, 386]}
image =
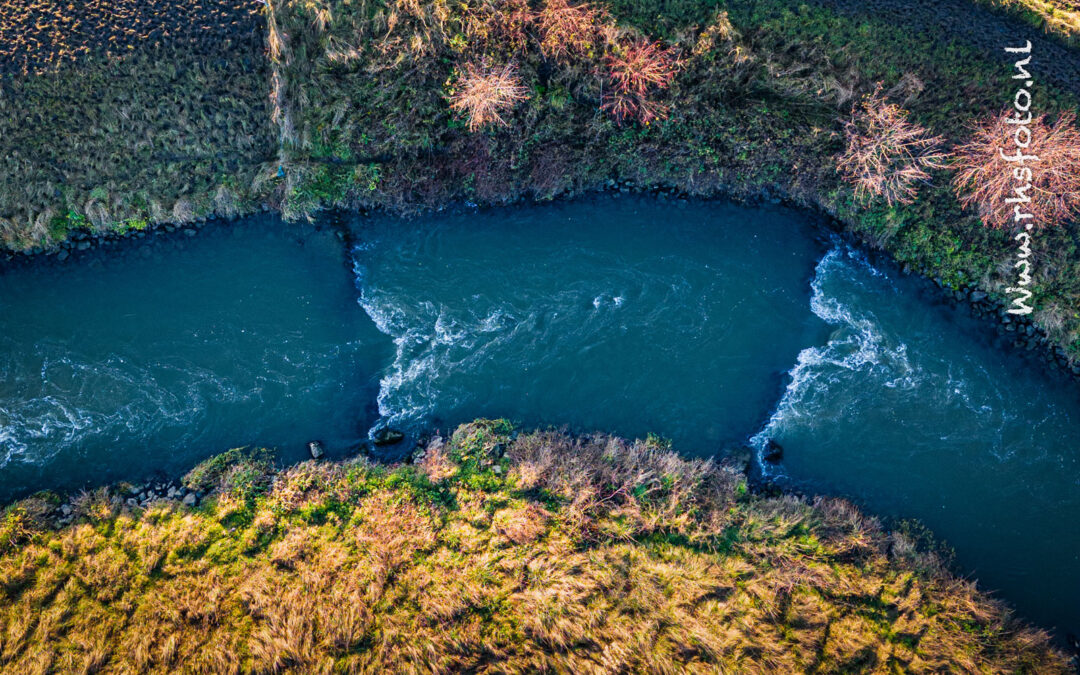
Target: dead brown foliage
{"type": "Point", "coordinates": [887, 155]}
{"type": "Point", "coordinates": [567, 30]}
{"type": "Point", "coordinates": [634, 74]}
{"type": "Point", "coordinates": [985, 179]}
{"type": "Point", "coordinates": [485, 93]}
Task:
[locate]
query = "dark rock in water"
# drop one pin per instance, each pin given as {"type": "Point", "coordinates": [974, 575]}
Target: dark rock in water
{"type": "Point", "coordinates": [388, 436]}
{"type": "Point", "coordinates": [63, 254]}
{"type": "Point", "coordinates": [316, 449]}
{"type": "Point", "coordinates": [773, 452]}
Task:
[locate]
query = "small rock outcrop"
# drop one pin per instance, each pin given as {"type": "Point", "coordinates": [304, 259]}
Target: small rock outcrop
{"type": "Point", "coordinates": [316, 449]}
{"type": "Point", "coordinates": [773, 452]}
{"type": "Point", "coordinates": [387, 436]}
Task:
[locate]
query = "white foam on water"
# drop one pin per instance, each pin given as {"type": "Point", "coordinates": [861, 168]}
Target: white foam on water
{"type": "Point", "coordinates": [857, 345]}
{"type": "Point", "coordinates": [72, 399]}
{"type": "Point", "coordinates": [434, 344]}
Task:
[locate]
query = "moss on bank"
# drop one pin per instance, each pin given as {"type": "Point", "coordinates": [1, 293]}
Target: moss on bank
{"type": "Point", "coordinates": [495, 552]}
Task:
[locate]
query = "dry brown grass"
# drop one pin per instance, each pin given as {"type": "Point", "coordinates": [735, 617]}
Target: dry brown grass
{"type": "Point", "coordinates": [540, 553]}
{"type": "Point", "coordinates": [485, 93]}
{"type": "Point", "coordinates": [1060, 17]}
{"type": "Point", "coordinates": [985, 180]}
{"type": "Point", "coordinates": [887, 155]}
{"type": "Point", "coordinates": [499, 26]}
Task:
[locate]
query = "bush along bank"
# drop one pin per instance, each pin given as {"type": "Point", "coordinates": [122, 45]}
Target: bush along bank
{"type": "Point", "coordinates": [493, 550]}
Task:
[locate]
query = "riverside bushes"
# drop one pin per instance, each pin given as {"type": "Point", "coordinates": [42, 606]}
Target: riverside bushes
{"type": "Point", "coordinates": [497, 552]}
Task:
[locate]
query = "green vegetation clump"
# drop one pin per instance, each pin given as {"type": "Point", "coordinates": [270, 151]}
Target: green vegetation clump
{"type": "Point", "coordinates": [494, 551]}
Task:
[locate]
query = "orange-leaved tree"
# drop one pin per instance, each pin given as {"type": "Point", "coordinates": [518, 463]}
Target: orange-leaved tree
{"type": "Point", "coordinates": [634, 72]}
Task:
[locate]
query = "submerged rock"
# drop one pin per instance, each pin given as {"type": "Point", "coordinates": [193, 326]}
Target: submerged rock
{"type": "Point", "coordinates": [316, 449]}
{"type": "Point", "coordinates": [388, 436]}
{"type": "Point", "coordinates": [773, 452]}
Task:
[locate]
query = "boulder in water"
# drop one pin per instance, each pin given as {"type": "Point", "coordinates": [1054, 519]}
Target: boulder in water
{"type": "Point", "coordinates": [773, 452]}
{"type": "Point", "coordinates": [316, 449]}
{"type": "Point", "coordinates": [387, 436]}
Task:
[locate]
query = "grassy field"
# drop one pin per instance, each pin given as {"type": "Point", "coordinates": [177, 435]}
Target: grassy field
{"type": "Point", "coordinates": [495, 552]}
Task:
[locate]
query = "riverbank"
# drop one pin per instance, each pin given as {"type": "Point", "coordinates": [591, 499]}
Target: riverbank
{"type": "Point", "coordinates": [582, 553]}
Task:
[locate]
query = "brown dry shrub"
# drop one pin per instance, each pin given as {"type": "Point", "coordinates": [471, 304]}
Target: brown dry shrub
{"type": "Point", "coordinates": [485, 93]}
{"type": "Point", "coordinates": [567, 31]}
{"type": "Point", "coordinates": [634, 74]}
{"type": "Point", "coordinates": [436, 463]}
{"type": "Point", "coordinates": [522, 525]}
{"type": "Point", "coordinates": [306, 482]}
{"type": "Point", "coordinates": [887, 155]}
{"type": "Point", "coordinates": [984, 179]}
{"type": "Point", "coordinates": [650, 486]}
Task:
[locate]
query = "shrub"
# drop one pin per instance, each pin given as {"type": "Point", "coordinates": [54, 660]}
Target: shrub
{"type": "Point", "coordinates": [567, 30]}
{"type": "Point", "coordinates": [984, 179]}
{"type": "Point", "coordinates": [502, 26]}
{"type": "Point", "coordinates": [634, 73]}
{"type": "Point", "coordinates": [235, 470]}
{"type": "Point", "coordinates": [485, 93]}
{"type": "Point", "coordinates": [887, 155]}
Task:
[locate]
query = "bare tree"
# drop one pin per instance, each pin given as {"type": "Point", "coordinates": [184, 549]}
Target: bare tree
{"type": "Point", "coordinates": [1047, 188]}
{"type": "Point", "coordinates": [887, 155]}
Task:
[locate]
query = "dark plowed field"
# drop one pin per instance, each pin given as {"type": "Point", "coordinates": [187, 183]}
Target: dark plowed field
{"type": "Point", "coordinates": [37, 35]}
